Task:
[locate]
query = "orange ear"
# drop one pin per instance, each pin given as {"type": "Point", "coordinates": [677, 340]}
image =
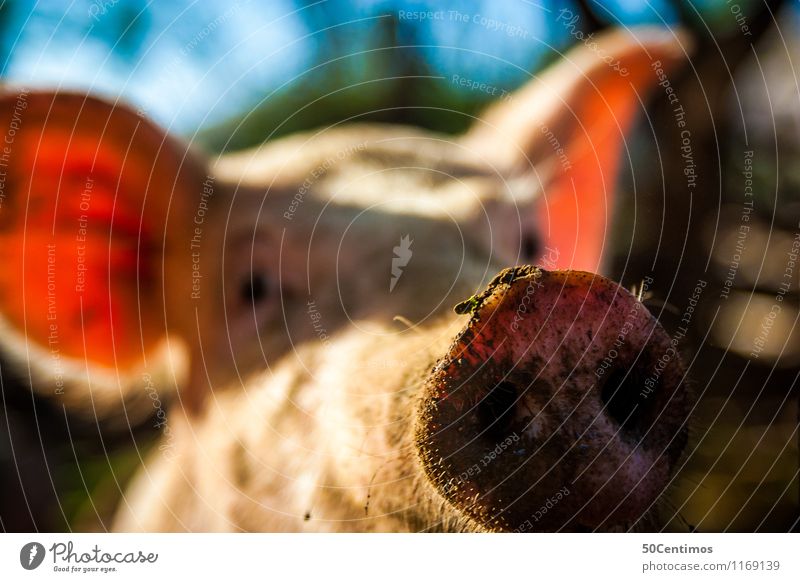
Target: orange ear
{"type": "Point", "coordinates": [88, 189]}
{"type": "Point", "coordinates": [570, 123]}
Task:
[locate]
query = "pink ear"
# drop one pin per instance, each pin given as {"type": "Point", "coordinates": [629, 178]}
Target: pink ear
{"type": "Point", "coordinates": [570, 123]}
{"type": "Point", "coordinates": [87, 204]}
{"type": "Point", "coordinates": [577, 205]}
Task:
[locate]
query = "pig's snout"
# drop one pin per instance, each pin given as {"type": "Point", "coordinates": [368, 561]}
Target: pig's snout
{"type": "Point", "coordinates": [559, 406]}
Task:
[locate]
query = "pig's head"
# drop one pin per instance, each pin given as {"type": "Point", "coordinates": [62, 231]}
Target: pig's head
{"type": "Point", "coordinates": [134, 264]}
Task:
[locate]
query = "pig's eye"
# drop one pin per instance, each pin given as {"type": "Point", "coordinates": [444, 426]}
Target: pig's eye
{"type": "Point", "coordinates": [254, 289]}
{"type": "Point", "coordinates": [530, 247]}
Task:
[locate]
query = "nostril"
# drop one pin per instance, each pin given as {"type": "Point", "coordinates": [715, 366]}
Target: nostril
{"type": "Point", "coordinates": [496, 410]}
{"type": "Point", "coordinates": [623, 398]}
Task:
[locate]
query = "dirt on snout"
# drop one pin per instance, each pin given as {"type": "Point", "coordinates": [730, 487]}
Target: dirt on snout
{"type": "Point", "coordinates": [559, 406]}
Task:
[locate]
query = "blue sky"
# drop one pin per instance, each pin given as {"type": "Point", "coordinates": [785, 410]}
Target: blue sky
{"type": "Point", "coordinates": [190, 64]}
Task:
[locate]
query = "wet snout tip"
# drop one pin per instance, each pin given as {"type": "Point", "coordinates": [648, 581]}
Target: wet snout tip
{"type": "Point", "coordinates": [553, 390]}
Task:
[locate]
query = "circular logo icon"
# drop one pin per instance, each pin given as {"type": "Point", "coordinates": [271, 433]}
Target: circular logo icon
{"type": "Point", "coordinates": [31, 555]}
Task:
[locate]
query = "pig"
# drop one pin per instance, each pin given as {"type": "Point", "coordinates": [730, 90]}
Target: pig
{"type": "Point", "coordinates": [341, 330]}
